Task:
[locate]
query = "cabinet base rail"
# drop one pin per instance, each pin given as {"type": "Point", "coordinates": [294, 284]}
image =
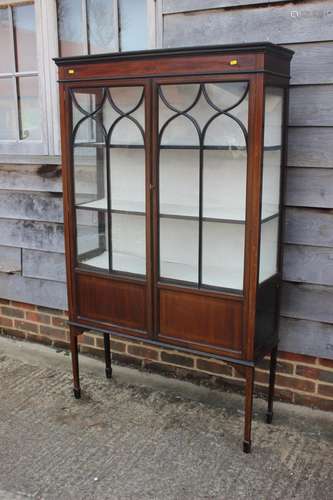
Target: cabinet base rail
{"type": "Point", "coordinates": [249, 368]}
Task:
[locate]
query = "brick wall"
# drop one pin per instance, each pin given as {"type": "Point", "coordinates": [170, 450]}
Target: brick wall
{"type": "Point", "coordinates": [303, 380]}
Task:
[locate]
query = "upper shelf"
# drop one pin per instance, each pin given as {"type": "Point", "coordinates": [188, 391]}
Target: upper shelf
{"type": "Point", "coordinates": [174, 146]}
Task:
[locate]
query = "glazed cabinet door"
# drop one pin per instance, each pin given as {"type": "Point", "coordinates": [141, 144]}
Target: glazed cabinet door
{"type": "Point", "coordinates": [109, 175]}
{"type": "Point", "coordinates": [201, 177]}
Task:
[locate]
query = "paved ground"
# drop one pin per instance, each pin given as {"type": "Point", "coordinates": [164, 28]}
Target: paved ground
{"type": "Point", "coordinates": [142, 436]}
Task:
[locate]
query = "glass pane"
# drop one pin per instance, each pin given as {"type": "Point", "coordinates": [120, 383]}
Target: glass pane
{"type": "Point", "coordinates": [179, 182]}
{"type": "Point", "coordinates": [271, 182]}
{"type": "Point", "coordinates": [223, 254]}
{"type": "Point", "coordinates": [92, 238]}
{"type": "Point", "coordinates": [70, 28]}
{"type": "Point", "coordinates": [85, 104]}
{"type": "Point", "coordinates": [102, 33]}
{"type": "Point", "coordinates": [7, 56]}
{"type": "Point", "coordinates": [127, 168]}
{"type": "Point", "coordinates": [90, 176]}
{"type": "Point", "coordinates": [129, 243]}
{"type": "Point", "coordinates": [7, 109]}
{"type": "Point", "coordinates": [133, 25]}
{"type": "Point", "coordinates": [224, 184]}
{"type": "Point", "coordinates": [179, 249]}
{"type": "Point", "coordinates": [268, 249]}
{"type": "Point", "coordinates": [29, 108]}
{"type": "Point", "coordinates": [25, 37]}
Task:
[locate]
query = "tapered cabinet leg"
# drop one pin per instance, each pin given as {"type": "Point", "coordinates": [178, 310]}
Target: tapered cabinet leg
{"type": "Point", "coordinates": [75, 363]}
{"type": "Point", "coordinates": [107, 353]}
{"type": "Point", "coordinates": [249, 376]}
{"type": "Point", "coordinates": [272, 372]}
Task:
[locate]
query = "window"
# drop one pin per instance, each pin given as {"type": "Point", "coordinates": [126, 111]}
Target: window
{"type": "Point", "coordinates": [97, 26]}
{"type": "Point", "coordinates": [20, 95]}
{"type": "Point", "coordinates": [32, 32]}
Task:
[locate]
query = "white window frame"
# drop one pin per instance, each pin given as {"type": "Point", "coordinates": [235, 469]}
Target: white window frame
{"type": "Point", "coordinates": [48, 149]}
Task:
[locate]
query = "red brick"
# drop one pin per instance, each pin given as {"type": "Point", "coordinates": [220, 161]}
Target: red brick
{"type": "Point", "coordinates": [214, 367]}
{"type": "Point", "coordinates": [326, 362]}
{"type": "Point", "coordinates": [314, 402]}
{"type": "Point", "coordinates": [261, 377]}
{"type": "Point", "coordinates": [59, 322]}
{"type": "Point", "coordinates": [13, 333]}
{"type": "Point", "coordinates": [176, 359]}
{"type": "Point", "coordinates": [39, 339]}
{"type": "Point", "coordinates": [310, 360]}
{"type": "Point", "coordinates": [325, 390]}
{"type": "Point", "coordinates": [115, 346]}
{"type": "Point", "coordinates": [326, 376]}
{"type": "Point", "coordinates": [307, 371]}
{"type": "Point", "coordinates": [142, 352]}
{"type": "Point", "coordinates": [25, 325]}
{"type": "Point", "coordinates": [86, 339]}
{"type": "Point", "coordinates": [295, 383]}
{"type": "Point", "coordinates": [12, 312]}
{"type": "Point", "coordinates": [37, 317]}
{"type": "Point", "coordinates": [281, 366]}
{"type": "Point", "coordinates": [50, 310]}
{"type": "Point", "coordinates": [55, 333]}
{"type": "Point", "coordinates": [6, 321]}
{"type": "Point", "coordinates": [4, 301]}
{"type": "Point", "coordinates": [23, 305]}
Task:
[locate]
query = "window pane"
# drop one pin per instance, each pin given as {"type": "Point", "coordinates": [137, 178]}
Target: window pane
{"type": "Point", "coordinates": [70, 28]}
{"type": "Point", "coordinates": [29, 110]}
{"type": "Point", "coordinates": [7, 57]}
{"type": "Point", "coordinates": [133, 24]}
{"type": "Point", "coordinates": [129, 243]}
{"type": "Point", "coordinates": [7, 109]}
{"type": "Point", "coordinates": [92, 238]}
{"type": "Point", "coordinates": [25, 37]}
{"type": "Point", "coordinates": [90, 176]}
{"type": "Point", "coordinates": [102, 33]}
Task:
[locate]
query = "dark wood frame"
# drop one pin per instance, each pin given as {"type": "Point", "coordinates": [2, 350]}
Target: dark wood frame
{"type": "Point", "coordinates": [245, 339]}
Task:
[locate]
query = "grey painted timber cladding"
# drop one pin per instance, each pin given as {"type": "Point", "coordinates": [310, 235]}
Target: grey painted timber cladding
{"type": "Point", "coordinates": [31, 206]}
{"type": "Point", "coordinates": [308, 264]}
{"type": "Point", "coordinates": [307, 226]}
{"type": "Point", "coordinates": [311, 63]}
{"type": "Point", "coordinates": [43, 265]}
{"type": "Point", "coordinates": [310, 147]}
{"type": "Point", "coordinates": [311, 105]}
{"type": "Point", "coordinates": [31, 178]}
{"type": "Point", "coordinates": [285, 24]}
{"type": "Point", "coordinates": [31, 234]}
{"type": "Point", "coordinates": [10, 259]}
{"type": "Point", "coordinates": [33, 291]}
{"type": "Point", "coordinates": [312, 302]}
{"type": "Point", "coordinates": [309, 187]}
{"type": "Point", "coordinates": [306, 337]}
{"type": "Point", "coordinates": [173, 6]}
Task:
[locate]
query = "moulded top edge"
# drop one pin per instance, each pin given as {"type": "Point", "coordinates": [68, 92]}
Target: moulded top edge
{"type": "Point", "coordinates": [266, 47]}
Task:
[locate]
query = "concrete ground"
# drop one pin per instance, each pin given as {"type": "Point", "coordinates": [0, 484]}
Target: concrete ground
{"type": "Point", "coordinates": [143, 436]}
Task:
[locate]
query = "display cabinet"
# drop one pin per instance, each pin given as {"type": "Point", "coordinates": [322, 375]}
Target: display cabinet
{"type": "Point", "coordinates": [173, 172]}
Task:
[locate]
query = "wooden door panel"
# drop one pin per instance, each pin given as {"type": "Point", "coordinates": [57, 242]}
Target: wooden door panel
{"type": "Point", "coordinates": [196, 318]}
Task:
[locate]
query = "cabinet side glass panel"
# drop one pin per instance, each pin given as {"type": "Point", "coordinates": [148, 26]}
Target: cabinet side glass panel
{"type": "Point", "coordinates": [270, 202]}
{"type": "Point", "coordinates": [109, 177]}
{"type": "Point", "coordinates": [202, 183]}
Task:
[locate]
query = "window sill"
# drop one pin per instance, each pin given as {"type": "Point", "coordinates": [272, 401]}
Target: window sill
{"type": "Point", "coordinates": [30, 159]}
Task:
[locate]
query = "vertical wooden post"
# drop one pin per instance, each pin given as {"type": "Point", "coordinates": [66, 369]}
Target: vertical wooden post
{"type": "Point", "coordinates": [107, 354]}
{"type": "Point", "coordinates": [75, 362]}
{"type": "Point", "coordinates": [272, 371]}
{"type": "Point", "coordinates": [249, 380]}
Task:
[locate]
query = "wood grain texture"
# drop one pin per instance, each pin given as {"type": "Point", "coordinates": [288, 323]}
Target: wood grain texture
{"type": "Point", "coordinates": [310, 147]}
{"type": "Point", "coordinates": [311, 105]}
{"type": "Point", "coordinates": [31, 178]}
{"type": "Point", "coordinates": [308, 264]}
{"type": "Point", "coordinates": [33, 291]}
{"type": "Point", "coordinates": [282, 23]}
{"type": "Point", "coordinates": [309, 187]}
{"type": "Point", "coordinates": [31, 206]}
{"type": "Point", "coordinates": [31, 234]}
{"type": "Point", "coordinates": [311, 338]}
{"type": "Point", "coordinates": [10, 259]}
{"type": "Point", "coordinates": [312, 302]}
{"type": "Point", "coordinates": [43, 265]}
{"type": "Point", "coordinates": [309, 226]}
{"type": "Point", "coordinates": [174, 6]}
{"type": "Point", "coordinates": [311, 63]}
